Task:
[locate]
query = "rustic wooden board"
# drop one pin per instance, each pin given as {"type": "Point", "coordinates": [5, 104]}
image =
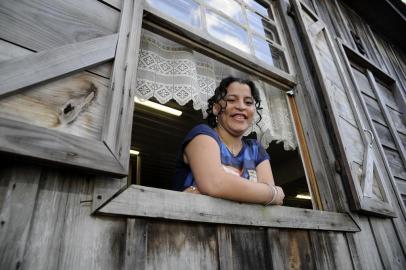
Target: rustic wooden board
{"type": "Point", "coordinates": [331, 250]}
{"type": "Point", "coordinates": [44, 105]}
{"type": "Point", "coordinates": [290, 249]}
{"type": "Point", "coordinates": [64, 235]}
{"type": "Point", "coordinates": [362, 82]}
{"type": "Point", "coordinates": [374, 110]}
{"type": "Point", "coordinates": [23, 139]}
{"type": "Point", "coordinates": [399, 119]}
{"type": "Point", "coordinates": [385, 136]}
{"type": "Point", "coordinates": [49, 23]}
{"type": "Point", "coordinates": [135, 244]}
{"type": "Point", "coordinates": [395, 162]}
{"type": "Point", "coordinates": [16, 212]}
{"type": "Point", "coordinates": [9, 51]}
{"type": "Point", "coordinates": [21, 72]}
{"type": "Point", "coordinates": [363, 247]}
{"type": "Point", "coordinates": [391, 252]}
{"type": "Point", "coordinates": [243, 248]}
{"type": "Point", "coordinates": [181, 246]}
{"type": "Point", "coordinates": [151, 202]}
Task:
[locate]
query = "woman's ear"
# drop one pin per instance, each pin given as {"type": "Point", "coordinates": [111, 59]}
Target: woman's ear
{"type": "Point", "coordinates": [216, 109]}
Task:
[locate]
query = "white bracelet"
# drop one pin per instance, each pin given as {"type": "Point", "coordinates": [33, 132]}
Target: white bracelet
{"type": "Point", "coordinates": [275, 192]}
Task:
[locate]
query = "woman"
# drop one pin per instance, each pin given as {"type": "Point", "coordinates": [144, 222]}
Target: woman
{"type": "Point", "coordinates": [217, 160]}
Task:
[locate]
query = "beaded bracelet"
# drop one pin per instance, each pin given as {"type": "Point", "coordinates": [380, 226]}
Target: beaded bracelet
{"type": "Point", "coordinates": [275, 192]}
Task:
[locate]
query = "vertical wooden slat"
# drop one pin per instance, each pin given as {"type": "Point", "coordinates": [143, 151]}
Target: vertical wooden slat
{"type": "Point", "coordinates": [16, 212]}
{"type": "Point", "coordinates": [135, 244]}
{"type": "Point", "coordinates": [181, 246]}
{"type": "Point", "coordinates": [290, 249]}
{"type": "Point", "coordinates": [331, 251]}
{"type": "Point", "coordinates": [64, 235]}
{"type": "Point", "coordinates": [392, 254]}
{"type": "Point", "coordinates": [243, 248]}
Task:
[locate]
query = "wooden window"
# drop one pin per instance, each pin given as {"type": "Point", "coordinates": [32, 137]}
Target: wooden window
{"type": "Point", "coordinates": [248, 26]}
{"type": "Point", "coordinates": [156, 168]}
{"type": "Point", "coordinates": [153, 202]}
{"type": "Point", "coordinates": [387, 118]}
{"type": "Point", "coordinates": [367, 177]}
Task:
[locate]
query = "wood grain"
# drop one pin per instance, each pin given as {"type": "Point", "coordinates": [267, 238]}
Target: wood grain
{"type": "Point", "coordinates": [291, 249]}
{"type": "Point", "coordinates": [47, 24]}
{"type": "Point", "coordinates": [64, 235]}
{"type": "Point", "coordinates": [16, 213]}
{"type": "Point", "coordinates": [136, 244]}
{"type": "Point", "coordinates": [21, 72]}
{"type": "Point", "coordinates": [181, 246]}
{"type": "Point", "coordinates": [48, 145]}
{"type": "Point", "coordinates": [151, 202]}
{"type": "Point", "coordinates": [45, 105]}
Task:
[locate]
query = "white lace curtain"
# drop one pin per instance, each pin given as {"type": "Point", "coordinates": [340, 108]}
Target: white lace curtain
{"type": "Point", "coordinates": [168, 70]}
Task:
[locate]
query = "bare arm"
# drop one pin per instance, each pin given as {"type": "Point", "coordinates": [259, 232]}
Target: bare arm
{"type": "Point", "coordinates": [203, 156]}
{"type": "Point", "coordinates": [264, 175]}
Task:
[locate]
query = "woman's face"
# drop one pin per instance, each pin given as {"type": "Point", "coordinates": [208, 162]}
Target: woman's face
{"type": "Point", "coordinates": [239, 109]}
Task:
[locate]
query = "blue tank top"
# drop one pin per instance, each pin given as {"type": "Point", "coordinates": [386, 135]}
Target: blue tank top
{"type": "Point", "coordinates": [251, 154]}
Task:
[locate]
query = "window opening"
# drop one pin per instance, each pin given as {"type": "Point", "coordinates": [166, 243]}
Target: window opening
{"type": "Point", "coordinates": [157, 135]}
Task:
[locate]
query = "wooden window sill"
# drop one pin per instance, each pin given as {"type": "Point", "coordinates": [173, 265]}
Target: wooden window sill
{"type": "Point", "coordinates": [143, 201]}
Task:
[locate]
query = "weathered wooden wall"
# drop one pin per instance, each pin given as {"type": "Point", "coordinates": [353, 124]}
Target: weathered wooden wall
{"type": "Point", "coordinates": [45, 213]}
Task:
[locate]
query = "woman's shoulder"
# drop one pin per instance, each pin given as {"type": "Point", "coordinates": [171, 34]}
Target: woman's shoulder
{"type": "Point", "coordinates": [202, 129]}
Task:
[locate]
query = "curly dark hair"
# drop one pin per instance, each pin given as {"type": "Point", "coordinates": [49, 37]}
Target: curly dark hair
{"type": "Point", "coordinates": [221, 92]}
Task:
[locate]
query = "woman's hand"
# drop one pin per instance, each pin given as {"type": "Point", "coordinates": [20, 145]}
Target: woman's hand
{"type": "Point", "coordinates": [192, 189]}
{"type": "Point", "coordinates": [280, 195]}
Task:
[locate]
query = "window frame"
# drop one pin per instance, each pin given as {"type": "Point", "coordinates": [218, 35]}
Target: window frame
{"type": "Point", "coordinates": [155, 20]}
{"type": "Point", "coordinates": [131, 201]}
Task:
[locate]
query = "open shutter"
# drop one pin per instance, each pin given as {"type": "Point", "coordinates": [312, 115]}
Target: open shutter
{"type": "Point", "coordinates": [82, 101]}
{"type": "Point", "coordinates": [363, 163]}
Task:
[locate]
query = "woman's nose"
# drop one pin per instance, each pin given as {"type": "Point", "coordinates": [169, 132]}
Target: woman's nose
{"type": "Point", "coordinates": [241, 105]}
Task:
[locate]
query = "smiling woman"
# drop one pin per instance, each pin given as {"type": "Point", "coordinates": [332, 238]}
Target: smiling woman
{"type": "Point", "coordinates": [217, 161]}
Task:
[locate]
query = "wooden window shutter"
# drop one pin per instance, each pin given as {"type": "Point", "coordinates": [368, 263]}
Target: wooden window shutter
{"type": "Point", "coordinates": [363, 163]}
{"type": "Point", "coordinates": [106, 153]}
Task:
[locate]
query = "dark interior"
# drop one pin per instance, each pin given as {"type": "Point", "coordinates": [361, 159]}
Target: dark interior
{"type": "Point", "coordinates": [158, 135]}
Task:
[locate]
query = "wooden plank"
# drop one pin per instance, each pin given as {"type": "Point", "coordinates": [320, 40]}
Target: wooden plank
{"type": "Point", "coordinates": [48, 24]}
{"type": "Point", "coordinates": [390, 250]}
{"type": "Point", "coordinates": [373, 109]}
{"type": "Point", "coordinates": [395, 162]}
{"type": "Point", "coordinates": [401, 184]}
{"type": "Point", "coordinates": [290, 249]}
{"type": "Point", "coordinates": [128, 42]}
{"type": "Point", "coordinates": [385, 136]}
{"type": "Point", "coordinates": [48, 145]}
{"type": "Point", "coordinates": [399, 120]}
{"type": "Point", "coordinates": [135, 244]}
{"type": "Point", "coordinates": [243, 248]}
{"type": "Point", "coordinates": [181, 246]}
{"type": "Point", "coordinates": [9, 51]}
{"type": "Point", "coordinates": [151, 202]}
{"type": "Point", "coordinates": [74, 105]}
{"type": "Point", "coordinates": [64, 235]}
{"type": "Point", "coordinates": [363, 82]}
{"type": "Point", "coordinates": [363, 247]}
{"type": "Point", "coordinates": [34, 68]}
{"type": "Point", "coordinates": [16, 213]}
{"type": "Point", "coordinates": [331, 250]}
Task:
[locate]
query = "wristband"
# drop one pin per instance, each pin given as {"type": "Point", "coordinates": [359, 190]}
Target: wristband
{"type": "Point", "coordinates": [275, 192]}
